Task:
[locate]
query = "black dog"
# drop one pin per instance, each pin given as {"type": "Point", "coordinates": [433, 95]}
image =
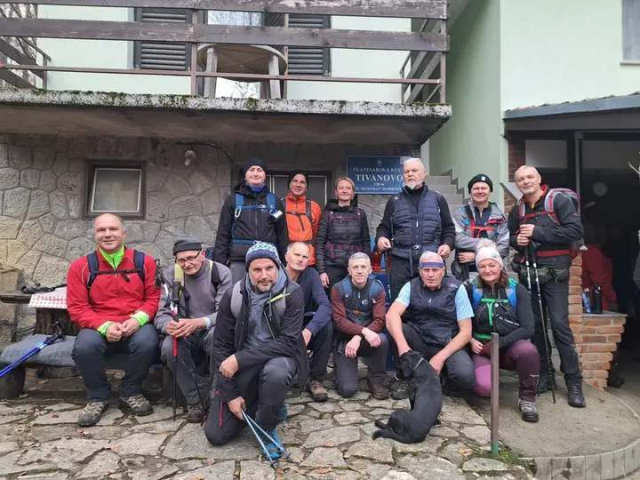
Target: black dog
{"type": "Point", "coordinates": [411, 426]}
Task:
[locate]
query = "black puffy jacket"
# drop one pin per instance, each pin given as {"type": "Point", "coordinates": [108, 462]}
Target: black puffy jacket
{"type": "Point", "coordinates": [343, 231]}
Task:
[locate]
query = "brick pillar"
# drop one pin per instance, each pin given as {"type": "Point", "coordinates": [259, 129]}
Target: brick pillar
{"type": "Point", "coordinates": [596, 336]}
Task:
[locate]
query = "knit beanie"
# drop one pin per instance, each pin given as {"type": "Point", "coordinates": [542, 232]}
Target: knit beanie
{"type": "Point", "coordinates": [297, 172]}
{"type": "Point", "coordinates": [186, 244]}
{"type": "Point", "coordinates": [487, 250]}
{"type": "Point", "coordinates": [250, 162]}
{"type": "Point", "coordinates": [262, 250]}
{"type": "Point", "coordinates": [481, 177]}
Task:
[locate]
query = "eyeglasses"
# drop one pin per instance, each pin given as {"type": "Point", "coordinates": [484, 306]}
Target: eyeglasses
{"type": "Point", "coordinates": [191, 259]}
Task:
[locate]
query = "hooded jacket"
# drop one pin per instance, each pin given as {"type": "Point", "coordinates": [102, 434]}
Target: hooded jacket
{"type": "Point", "coordinates": [250, 225]}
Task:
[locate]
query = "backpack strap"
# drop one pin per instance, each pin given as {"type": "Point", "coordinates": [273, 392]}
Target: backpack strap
{"type": "Point", "coordinates": [215, 274]}
{"type": "Point", "coordinates": [512, 295]}
{"type": "Point", "coordinates": [345, 288]}
{"type": "Point", "coordinates": [92, 260]}
{"type": "Point", "coordinates": [94, 267]}
{"type": "Point", "coordinates": [375, 287]}
{"type": "Point", "coordinates": [308, 211]}
{"type": "Point", "coordinates": [236, 299]}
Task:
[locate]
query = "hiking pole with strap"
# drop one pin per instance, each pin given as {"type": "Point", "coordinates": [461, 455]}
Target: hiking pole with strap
{"type": "Point", "coordinates": [257, 431]}
{"type": "Point", "coordinates": [50, 340]}
{"type": "Point", "coordinates": [495, 372]}
{"type": "Point", "coordinates": [545, 333]}
{"type": "Point", "coordinates": [543, 322]}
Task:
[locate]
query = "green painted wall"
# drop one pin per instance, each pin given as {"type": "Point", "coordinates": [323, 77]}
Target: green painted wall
{"type": "Point", "coordinates": [471, 141]}
{"type": "Point", "coordinates": [557, 51]}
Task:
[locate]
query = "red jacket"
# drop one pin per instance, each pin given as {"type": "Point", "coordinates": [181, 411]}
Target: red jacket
{"type": "Point", "coordinates": [112, 298]}
{"type": "Point", "coordinates": [598, 269]}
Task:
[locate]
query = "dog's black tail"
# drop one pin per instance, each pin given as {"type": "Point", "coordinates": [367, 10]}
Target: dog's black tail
{"type": "Point", "coordinates": [381, 424]}
{"type": "Point", "coordinates": [387, 433]}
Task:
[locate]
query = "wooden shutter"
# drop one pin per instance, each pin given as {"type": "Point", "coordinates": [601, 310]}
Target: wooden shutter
{"type": "Point", "coordinates": [304, 60]}
{"type": "Point", "coordinates": [162, 55]}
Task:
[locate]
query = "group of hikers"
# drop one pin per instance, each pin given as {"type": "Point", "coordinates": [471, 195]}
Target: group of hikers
{"type": "Point", "coordinates": [289, 285]}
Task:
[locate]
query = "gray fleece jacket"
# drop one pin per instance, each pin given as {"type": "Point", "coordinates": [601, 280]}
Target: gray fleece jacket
{"type": "Point", "coordinates": [200, 298]}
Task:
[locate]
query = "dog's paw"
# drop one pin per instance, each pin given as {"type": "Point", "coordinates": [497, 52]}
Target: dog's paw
{"type": "Point", "coordinates": [381, 424]}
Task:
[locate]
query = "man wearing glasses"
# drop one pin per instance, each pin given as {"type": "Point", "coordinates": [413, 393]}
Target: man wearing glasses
{"type": "Point", "coordinates": [200, 283]}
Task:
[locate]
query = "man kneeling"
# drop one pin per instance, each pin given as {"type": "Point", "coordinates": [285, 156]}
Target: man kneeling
{"type": "Point", "coordinates": [358, 303]}
{"type": "Point", "coordinates": [257, 349]}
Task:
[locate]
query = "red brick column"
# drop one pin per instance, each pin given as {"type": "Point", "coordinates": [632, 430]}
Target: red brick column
{"type": "Point", "coordinates": [596, 336]}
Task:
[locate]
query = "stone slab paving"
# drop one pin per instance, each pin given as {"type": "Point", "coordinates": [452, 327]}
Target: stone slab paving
{"type": "Point", "coordinates": [39, 440]}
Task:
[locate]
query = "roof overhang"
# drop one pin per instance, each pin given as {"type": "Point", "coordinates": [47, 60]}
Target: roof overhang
{"type": "Point", "coordinates": [194, 119]}
{"type": "Point", "coordinates": [611, 113]}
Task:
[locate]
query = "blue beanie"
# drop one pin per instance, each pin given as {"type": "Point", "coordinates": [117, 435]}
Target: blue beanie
{"type": "Point", "coordinates": [262, 250]}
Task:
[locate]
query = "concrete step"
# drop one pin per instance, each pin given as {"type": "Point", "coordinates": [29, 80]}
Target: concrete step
{"type": "Point", "coordinates": [438, 180]}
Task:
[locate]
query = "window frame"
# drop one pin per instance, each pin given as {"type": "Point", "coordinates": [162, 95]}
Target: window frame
{"type": "Point", "coordinates": [630, 35]}
{"type": "Point", "coordinates": [92, 169]}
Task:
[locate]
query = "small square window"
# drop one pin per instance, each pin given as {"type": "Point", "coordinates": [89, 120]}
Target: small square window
{"type": "Point", "coordinates": [116, 190]}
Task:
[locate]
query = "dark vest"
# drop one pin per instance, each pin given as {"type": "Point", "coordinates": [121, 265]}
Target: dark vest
{"type": "Point", "coordinates": [344, 235]}
{"type": "Point", "coordinates": [416, 230]}
{"type": "Point", "coordinates": [433, 313]}
{"type": "Point", "coordinates": [359, 303]}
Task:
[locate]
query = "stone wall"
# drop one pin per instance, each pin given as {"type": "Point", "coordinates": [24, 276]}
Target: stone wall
{"type": "Point", "coordinates": [42, 184]}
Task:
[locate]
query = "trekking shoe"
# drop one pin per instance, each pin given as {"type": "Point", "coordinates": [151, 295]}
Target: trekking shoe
{"type": "Point", "coordinates": [528, 410]}
{"type": "Point", "coordinates": [282, 414]}
{"type": "Point", "coordinates": [139, 405]}
{"type": "Point", "coordinates": [401, 389]}
{"type": "Point", "coordinates": [575, 396]}
{"type": "Point", "coordinates": [546, 382]}
{"type": "Point", "coordinates": [91, 413]}
{"type": "Point", "coordinates": [317, 391]}
{"type": "Point", "coordinates": [273, 449]}
{"type": "Point", "coordinates": [195, 414]}
{"type": "Point", "coordinates": [378, 390]}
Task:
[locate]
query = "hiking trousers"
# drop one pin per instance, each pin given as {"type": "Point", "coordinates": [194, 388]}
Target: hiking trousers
{"type": "Point", "coordinates": [263, 387]}
{"type": "Point", "coordinates": [90, 349]}
{"type": "Point", "coordinates": [192, 363]}
{"type": "Point", "coordinates": [346, 369]}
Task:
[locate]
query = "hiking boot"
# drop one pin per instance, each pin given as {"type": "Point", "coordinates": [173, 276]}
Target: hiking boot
{"type": "Point", "coordinates": [139, 405]}
{"type": "Point", "coordinates": [274, 450]}
{"type": "Point", "coordinates": [528, 410]}
{"type": "Point", "coordinates": [378, 390]}
{"type": "Point", "coordinates": [317, 391]}
{"type": "Point", "coordinates": [91, 413]}
{"type": "Point", "coordinates": [401, 389]}
{"type": "Point", "coordinates": [195, 413]}
{"type": "Point", "coordinates": [575, 396]}
{"type": "Point", "coordinates": [546, 382]}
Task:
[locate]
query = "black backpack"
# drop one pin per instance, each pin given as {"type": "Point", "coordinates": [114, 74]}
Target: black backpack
{"type": "Point", "coordinates": [94, 267]}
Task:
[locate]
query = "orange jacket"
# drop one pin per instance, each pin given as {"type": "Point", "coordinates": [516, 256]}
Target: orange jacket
{"type": "Point", "coordinates": [299, 226]}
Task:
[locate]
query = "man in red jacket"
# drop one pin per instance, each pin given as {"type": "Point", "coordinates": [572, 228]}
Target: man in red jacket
{"type": "Point", "coordinates": [114, 305]}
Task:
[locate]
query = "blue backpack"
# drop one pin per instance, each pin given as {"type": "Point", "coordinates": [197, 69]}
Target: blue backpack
{"type": "Point", "coordinates": [478, 293]}
{"type": "Point", "coordinates": [270, 206]}
{"type": "Point", "coordinates": [346, 287]}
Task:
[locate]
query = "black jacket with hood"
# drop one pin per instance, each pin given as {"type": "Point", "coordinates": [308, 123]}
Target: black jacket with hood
{"type": "Point", "coordinates": [251, 225]}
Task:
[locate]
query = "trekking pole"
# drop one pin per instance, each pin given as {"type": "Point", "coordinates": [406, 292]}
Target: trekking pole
{"type": "Point", "coordinates": [387, 267]}
{"type": "Point", "coordinates": [257, 431]}
{"type": "Point", "coordinates": [174, 316]}
{"type": "Point", "coordinates": [57, 335]}
{"type": "Point", "coordinates": [495, 373]}
{"type": "Point", "coordinates": [545, 334]}
{"type": "Point", "coordinates": [542, 320]}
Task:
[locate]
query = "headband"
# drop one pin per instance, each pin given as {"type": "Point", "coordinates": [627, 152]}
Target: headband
{"type": "Point", "coordinates": [431, 264]}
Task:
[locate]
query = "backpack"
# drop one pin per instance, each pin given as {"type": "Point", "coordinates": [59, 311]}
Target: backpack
{"type": "Point", "coordinates": [277, 303]}
{"type": "Point", "coordinates": [178, 274]}
{"type": "Point", "coordinates": [307, 212]}
{"type": "Point", "coordinates": [271, 205]}
{"type": "Point", "coordinates": [548, 204]}
{"type": "Point", "coordinates": [478, 230]}
{"type": "Point", "coordinates": [476, 293]}
{"type": "Point", "coordinates": [346, 287]}
{"type": "Point", "coordinates": [94, 267]}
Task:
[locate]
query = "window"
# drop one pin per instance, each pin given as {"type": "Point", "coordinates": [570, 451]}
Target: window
{"type": "Point", "coordinates": [317, 189]}
{"type": "Point", "coordinates": [309, 60]}
{"type": "Point", "coordinates": [116, 190]}
{"type": "Point", "coordinates": [162, 55]}
{"type": "Point", "coordinates": [631, 30]}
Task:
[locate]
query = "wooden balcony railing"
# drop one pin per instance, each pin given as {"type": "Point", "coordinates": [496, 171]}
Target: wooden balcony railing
{"type": "Point", "coordinates": [422, 44]}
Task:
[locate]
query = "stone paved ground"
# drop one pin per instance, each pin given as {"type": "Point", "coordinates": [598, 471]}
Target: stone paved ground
{"type": "Point", "coordinates": [39, 440]}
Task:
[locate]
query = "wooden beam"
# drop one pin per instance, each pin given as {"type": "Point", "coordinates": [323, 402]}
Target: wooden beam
{"type": "Point", "coordinates": [436, 9]}
{"type": "Point", "coordinates": [240, 35]}
{"type": "Point", "coordinates": [14, 54]}
{"type": "Point", "coordinates": [13, 79]}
